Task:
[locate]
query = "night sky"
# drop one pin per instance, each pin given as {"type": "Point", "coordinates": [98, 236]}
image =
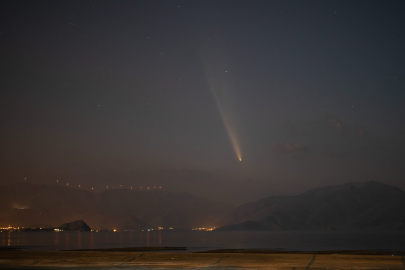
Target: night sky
{"type": "Point", "coordinates": [175, 93]}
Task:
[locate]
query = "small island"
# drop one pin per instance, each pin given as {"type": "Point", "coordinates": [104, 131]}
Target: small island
{"type": "Point", "coordinates": [77, 225]}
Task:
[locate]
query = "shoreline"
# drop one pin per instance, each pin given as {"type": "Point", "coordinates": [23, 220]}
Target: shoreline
{"type": "Point", "coordinates": [151, 258]}
{"type": "Point", "coordinates": [252, 251]}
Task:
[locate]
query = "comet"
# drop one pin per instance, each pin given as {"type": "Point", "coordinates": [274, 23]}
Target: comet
{"type": "Point", "coordinates": [219, 80]}
{"type": "Point", "coordinates": [230, 129]}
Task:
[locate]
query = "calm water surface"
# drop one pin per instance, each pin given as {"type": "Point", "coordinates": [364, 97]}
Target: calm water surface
{"type": "Point", "coordinates": [198, 241]}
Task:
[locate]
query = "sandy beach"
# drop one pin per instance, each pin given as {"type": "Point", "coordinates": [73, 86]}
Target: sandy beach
{"type": "Point", "coordinates": [221, 259]}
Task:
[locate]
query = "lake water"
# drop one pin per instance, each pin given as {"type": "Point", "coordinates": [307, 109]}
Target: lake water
{"type": "Point", "coordinates": [199, 240]}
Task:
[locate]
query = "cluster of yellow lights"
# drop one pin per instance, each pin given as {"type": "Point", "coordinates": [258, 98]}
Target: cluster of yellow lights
{"type": "Point", "coordinates": [203, 229]}
{"type": "Point", "coordinates": [10, 228]}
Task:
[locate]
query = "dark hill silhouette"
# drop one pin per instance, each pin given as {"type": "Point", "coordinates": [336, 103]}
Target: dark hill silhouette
{"type": "Point", "coordinates": [369, 205]}
{"type": "Point", "coordinates": [29, 205]}
{"type": "Point", "coordinates": [77, 225]}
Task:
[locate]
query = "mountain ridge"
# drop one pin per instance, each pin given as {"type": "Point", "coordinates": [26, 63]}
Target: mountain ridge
{"type": "Point", "coordinates": [366, 205]}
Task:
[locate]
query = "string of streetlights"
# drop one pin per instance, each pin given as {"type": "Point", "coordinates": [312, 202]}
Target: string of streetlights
{"type": "Point", "coordinates": [131, 188]}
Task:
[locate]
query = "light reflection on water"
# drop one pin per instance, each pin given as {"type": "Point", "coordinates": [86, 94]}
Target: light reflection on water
{"type": "Point", "coordinates": [92, 240]}
{"type": "Point", "coordinates": [79, 240]}
{"type": "Point", "coordinates": [56, 239]}
{"type": "Point", "coordinates": [199, 240]}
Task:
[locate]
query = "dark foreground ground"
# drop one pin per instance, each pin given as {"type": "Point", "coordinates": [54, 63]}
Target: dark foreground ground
{"type": "Point", "coordinates": [150, 258]}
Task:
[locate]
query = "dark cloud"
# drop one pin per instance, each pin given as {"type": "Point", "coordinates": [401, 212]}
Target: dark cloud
{"type": "Point", "coordinates": [286, 147]}
{"type": "Point", "coordinates": [361, 132]}
{"type": "Point", "coordinates": [330, 152]}
{"type": "Point", "coordinates": [331, 127]}
{"type": "Point", "coordinates": [326, 123]}
{"type": "Point", "coordinates": [288, 127]}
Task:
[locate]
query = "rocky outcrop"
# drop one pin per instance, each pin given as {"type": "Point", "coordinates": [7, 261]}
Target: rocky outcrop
{"type": "Point", "coordinates": [77, 225]}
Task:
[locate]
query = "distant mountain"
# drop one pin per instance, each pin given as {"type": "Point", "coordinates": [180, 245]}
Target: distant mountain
{"type": "Point", "coordinates": [29, 205]}
{"type": "Point", "coordinates": [370, 205]}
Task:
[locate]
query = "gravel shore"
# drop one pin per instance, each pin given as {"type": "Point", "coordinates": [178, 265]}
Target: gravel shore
{"type": "Point", "coordinates": [222, 259]}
